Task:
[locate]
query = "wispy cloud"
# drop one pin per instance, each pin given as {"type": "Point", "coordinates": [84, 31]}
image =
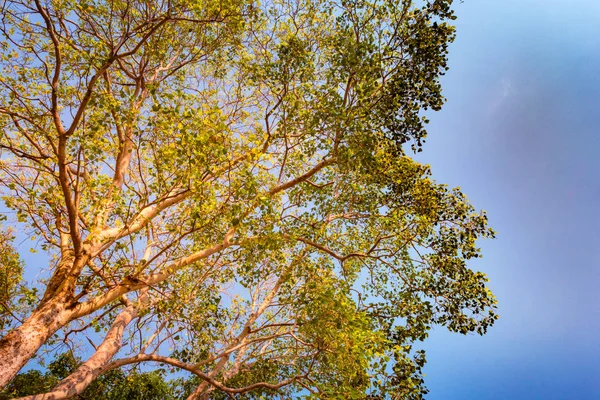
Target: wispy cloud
{"type": "Point", "coordinates": [504, 90]}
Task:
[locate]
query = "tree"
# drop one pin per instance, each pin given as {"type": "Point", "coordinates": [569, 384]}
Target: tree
{"type": "Point", "coordinates": [224, 188]}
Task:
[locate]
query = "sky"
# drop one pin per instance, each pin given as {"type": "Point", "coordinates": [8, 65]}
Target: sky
{"type": "Point", "coordinates": [520, 134]}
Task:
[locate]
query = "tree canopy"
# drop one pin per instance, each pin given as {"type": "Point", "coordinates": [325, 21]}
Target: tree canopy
{"type": "Point", "coordinates": [226, 188]}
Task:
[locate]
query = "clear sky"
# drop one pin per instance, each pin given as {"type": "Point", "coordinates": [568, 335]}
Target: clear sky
{"type": "Point", "coordinates": [520, 135]}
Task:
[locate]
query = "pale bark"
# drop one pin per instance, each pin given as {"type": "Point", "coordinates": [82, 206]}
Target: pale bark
{"type": "Point", "coordinates": [21, 344]}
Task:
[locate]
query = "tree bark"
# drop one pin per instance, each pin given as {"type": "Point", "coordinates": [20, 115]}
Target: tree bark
{"type": "Point", "coordinates": [21, 344]}
{"type": "Point", "coordinates": [79, 380]}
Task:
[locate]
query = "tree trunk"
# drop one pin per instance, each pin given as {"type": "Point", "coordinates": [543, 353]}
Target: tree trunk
{"type": "Point", "coordinates": [21, 344]}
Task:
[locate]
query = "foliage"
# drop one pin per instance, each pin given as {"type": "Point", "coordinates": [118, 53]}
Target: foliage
{"type": "Point", "coordinates": [225, 188]}
{"type": "Point", "coordinates": [16, 299]}
{"type": "Point", "coordinates": [28, 383]}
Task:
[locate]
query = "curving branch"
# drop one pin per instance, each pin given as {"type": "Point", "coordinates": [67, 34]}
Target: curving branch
{"type": "Point", "coordinates": [190, 368]}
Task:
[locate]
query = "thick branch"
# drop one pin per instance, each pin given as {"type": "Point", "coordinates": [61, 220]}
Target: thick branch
{"type": "Point", "coordinates": [303, 177]}
{"type": "Point", "coordinates": [109, 235]}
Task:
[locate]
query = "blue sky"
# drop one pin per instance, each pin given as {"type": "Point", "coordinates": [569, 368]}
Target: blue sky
{"type": "Point", "coordinates": [520, 135]}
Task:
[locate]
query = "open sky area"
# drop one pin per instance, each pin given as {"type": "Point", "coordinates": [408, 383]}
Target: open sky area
{"type": "Point", "coordinates": [520, 135]}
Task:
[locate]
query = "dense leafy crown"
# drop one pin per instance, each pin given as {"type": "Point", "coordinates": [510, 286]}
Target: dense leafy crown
{"type": "Point", "coordinates": [237, 171]}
